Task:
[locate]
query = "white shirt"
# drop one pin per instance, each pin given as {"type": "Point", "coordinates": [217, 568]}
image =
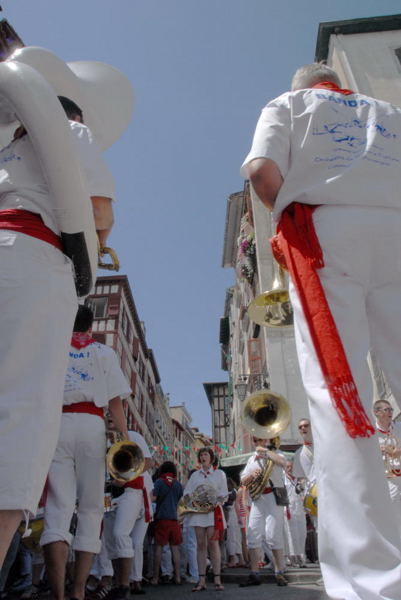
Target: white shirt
{"type": "Point", "coordinates": [213, 477]}
{"type": "Point", "coordinates": [382, 436]}
{"type": "Point", "coordinates": [254, 463]}
{"type": "Point", "coordinates": [94, 375]}
{"type": "Point", "coordinates": [23, 184]}
{"type": "Point", "coordinates": [331, 148]}
{"type": "Point", "coordinates": [304, 464]}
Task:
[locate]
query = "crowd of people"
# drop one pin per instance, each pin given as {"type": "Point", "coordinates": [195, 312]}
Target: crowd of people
{"type": "Point", "coordinates": [325, 160]}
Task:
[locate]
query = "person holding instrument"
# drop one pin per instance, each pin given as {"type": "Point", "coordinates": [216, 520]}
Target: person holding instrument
{"type": "Point", "coordinates": [37, 292]}
{"type": "Point", "coordinates": [326, 161]}
{"type": "Point", "coordinates": [94, 382]}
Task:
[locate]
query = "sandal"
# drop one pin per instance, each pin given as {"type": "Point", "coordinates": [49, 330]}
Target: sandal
{"type": "Point", "coordinates": [218, 587]}
{"type": "Point", "coordinates": [200, 587]}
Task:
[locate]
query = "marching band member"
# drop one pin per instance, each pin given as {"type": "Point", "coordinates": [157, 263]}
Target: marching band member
{"type": "Point", "coordinates": [389, 435]}
{"type": "Point", "coordinates": [208, 526]}
{"type": "Point", "coordinates": [130, 506]}
{"type": "Point", "coordinates": [94, 382]}
{"type": "Point", "coordinates": [326, 161]}
{"type": "Point", "coordinates": [304, 466]}
{"type": "Point", "coordinates": [266, 519]}
{"type": "Point", "coordinates": [137, 536]}
{"type": "Point", "coordinates": [295, 520]}
{"type": "Point", "coordinates": [37, 292]}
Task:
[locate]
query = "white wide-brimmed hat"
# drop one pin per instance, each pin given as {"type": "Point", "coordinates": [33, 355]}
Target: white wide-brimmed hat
{"type": "Point", "coordinates": [103, 93]}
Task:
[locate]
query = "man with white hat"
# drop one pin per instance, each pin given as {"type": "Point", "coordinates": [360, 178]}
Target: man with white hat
{"type": "Point", "coordinates": [45, 214]}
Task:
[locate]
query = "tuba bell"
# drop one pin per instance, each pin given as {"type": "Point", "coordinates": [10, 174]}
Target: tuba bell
{"type": "Point", "coordinates": [273, 307]}
{"type": "Point", "coordinates": [125, 461]}
{"type": "Point", "coordinates": [265, 414]}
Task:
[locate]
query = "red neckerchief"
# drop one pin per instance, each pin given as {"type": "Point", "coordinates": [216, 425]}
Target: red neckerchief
{"type": "Point", "coordinates": [168, 478]}
{"type": "Point", "coordinates": [333, 87]}
{"type": "Point", "coordinates": [308, 443]}
{"type": "Point", "coordinates": [385, 432]}
{"type": "Point", "coordinates": [81, 339]}
{"type": "Point", "coordinates": [296, 247]}
{"type": "Point", "coordinates": [205, 473]}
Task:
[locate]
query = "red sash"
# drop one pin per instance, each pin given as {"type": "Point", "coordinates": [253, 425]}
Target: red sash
{"type": "Point", "coordinates": [139, 484]}
{"type": "Point", "coordinates": [28, 223]}
{"type": "Point", "coordinates": [84, 407]}
{"type": "Point", "coordinates": [296, 247]}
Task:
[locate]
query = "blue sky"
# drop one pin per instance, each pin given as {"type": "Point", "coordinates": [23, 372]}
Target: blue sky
{"type": "Point", "coordinates": [201, 71]}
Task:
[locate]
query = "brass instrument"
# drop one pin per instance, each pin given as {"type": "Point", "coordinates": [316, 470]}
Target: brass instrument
{"type": "Point", "coordinates": [265, 414]}
{"type": "Point", "coordinates": [203, 500]}
{"type": "Point", "coordinates": [273, 307]}
{"type": "Point", "coordinates": [114, 265]}
{"type": "Point", "coordinates": [125, 460]}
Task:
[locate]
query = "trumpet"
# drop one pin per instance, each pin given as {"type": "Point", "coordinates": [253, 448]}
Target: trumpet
{"type": "Point", "coordinates": [125, 460]}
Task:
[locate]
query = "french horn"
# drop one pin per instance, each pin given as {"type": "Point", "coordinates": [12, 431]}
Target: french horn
{"type": "Point", "coordinates": [202, 500]}
{"type": "Point", "coordinates": [265, 414]}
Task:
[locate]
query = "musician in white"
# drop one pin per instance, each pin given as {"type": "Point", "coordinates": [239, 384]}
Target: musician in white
{"type": "Point", "coordinates": [94, 382]}
{"type": "Point", "coordinates": [304, 466]}
{"type": "Point", "coordinates": [208, 526]}
{"type": "Point", "coordinates": [295, 520]}
{"type": "Point", "coordinates": [389, 436]}
{"type": "Point", "coordinates": [131, 506]}
{"type": "Point", "coordinates": [266, 519]}
{"type": "Point", "coordinates": [37, 292]}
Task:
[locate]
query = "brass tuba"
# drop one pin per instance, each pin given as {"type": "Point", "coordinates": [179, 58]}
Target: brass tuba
{"type": "Point", "coordinates": [273, 307]}
{"type": "Point", "coordinates": [125, 461]}
{"type": "Point", "coordinates": [265, 414]}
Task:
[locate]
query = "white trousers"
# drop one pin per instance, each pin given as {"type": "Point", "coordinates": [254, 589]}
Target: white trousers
{"type": "Point", "coordinates": [137, 536]}
{"type": "Point", "coordinates": [233, 542]}
{"type": "Point", "coordinates": [101, 566]}
{"type": "Point", "coordinates": [38, 307]}
{"type": "Point", "coordinates": [266, 521]}
{"type": "Point", "coordinates": [77, 472]}
{"type": "Point", "coordinates": [359, 540]}
{"type": "Point", "coordinates": [119, 525]}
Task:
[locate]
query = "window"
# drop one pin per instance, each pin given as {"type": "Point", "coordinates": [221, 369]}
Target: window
{"type": "Point", "coordinates": [124, 322]}
{"type": "Point", "coordinates": [110, 339]}
{"type": "Point", "coordinates": [106, 289]}
{"type": "Point", "coordinates": [99, 306]}
{"type": "Point", "coordinates": [111, 325]}
{"type": "Point", "coordinates": [99, 337]}
{"type": "Point", "coordinates": [114, 289]}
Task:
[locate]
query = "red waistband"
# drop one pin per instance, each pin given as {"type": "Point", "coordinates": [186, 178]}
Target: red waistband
{"type": "Point", "coordinates": [267, 490]}
{"type": "Point", "coordinates": [84, 407]}
{"type": "Point", "coordinates": [29, 223]}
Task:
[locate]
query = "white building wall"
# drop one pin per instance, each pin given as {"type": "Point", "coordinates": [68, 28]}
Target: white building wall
{"type": "Point", "coordinates": [367, 63]}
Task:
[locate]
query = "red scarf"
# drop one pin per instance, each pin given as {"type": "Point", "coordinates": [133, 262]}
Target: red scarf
{"type": "Point", "coordinates": [168, 478]}
{"type": "Point", "coordinates": [297, 248]}
{"type": "Point", "coordinates": [81, 339]}
{"type": "Point", "coordinates": [218, 523]}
